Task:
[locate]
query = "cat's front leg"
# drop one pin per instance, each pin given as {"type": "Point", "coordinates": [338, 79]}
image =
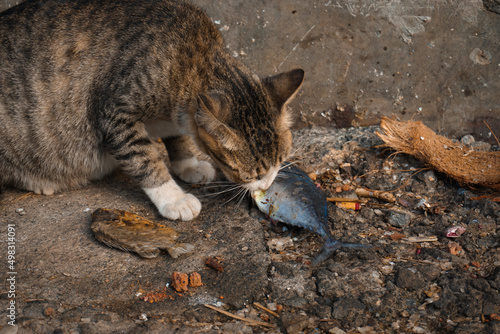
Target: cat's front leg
{"type": "Point", "coordinates": [184, 164]}
{"type": "Point", "coordinates": [138, 157]}
{"type": "Point", "coordinates": [173, 202]}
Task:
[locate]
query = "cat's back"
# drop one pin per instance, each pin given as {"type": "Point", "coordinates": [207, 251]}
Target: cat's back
{"type": "Point", "coordinates": [63, 61]}
{"type": "Point", "coordinates": [42, 18]}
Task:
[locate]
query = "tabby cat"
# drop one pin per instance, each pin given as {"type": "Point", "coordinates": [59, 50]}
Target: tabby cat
{"type": "Point", "coordinates": [86, 85]}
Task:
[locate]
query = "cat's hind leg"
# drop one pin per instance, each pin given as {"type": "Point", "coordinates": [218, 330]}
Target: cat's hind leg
{"type": "Point", "coordinates": [184, 164]}
{"type": "Point", "coordinates": [42, 187]}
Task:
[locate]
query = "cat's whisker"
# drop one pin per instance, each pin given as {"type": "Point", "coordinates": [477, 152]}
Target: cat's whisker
{"type": "Point", "coordinates": [296, 149]}
{"type": "Point", "coordinates": [217, 182]}
{"type": "Point", "coordinates": [218, 186]}
{"type": "Point", "coordinates": [243, 195]}
{"type": "Point", "coordinates": [236, 195]}
{"type": "Point", "coordinates": [233, 188]}
{"type": "Point", "coordinates": [289, 164]}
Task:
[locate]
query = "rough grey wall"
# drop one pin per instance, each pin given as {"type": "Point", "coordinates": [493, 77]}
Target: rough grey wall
{"type": "Point", "coordinates": [432, 60]}
{"type": "Point", "coordinates": [6, 4]}
{"type": "Point", "coordinates": [436, 61]}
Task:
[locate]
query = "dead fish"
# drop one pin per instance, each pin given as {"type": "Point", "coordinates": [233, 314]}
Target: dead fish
{"type": "Point", "coordinates": [294, 199]}
{"type": "Point", "coordinates": [132, 233]}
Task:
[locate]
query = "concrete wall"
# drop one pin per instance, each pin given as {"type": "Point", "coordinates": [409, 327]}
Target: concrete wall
{"type": "Point", "coordinates": [437, 61]}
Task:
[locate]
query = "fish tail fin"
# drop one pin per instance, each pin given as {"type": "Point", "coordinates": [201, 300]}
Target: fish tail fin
{"type": "Point", "coordinates": [355, 246]}
{"type": "Point", "coordinates": [331, 245]}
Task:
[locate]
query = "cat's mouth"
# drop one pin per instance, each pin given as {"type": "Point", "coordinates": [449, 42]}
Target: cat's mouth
{"type": "Point", "coordinates": [264, 182]}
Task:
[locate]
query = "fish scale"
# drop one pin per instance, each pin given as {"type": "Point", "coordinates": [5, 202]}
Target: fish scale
{"type": "Point", "coordinates": [294, 199]}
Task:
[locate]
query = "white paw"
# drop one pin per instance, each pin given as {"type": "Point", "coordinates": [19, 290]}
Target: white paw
{"type": "Point", "coordinates": [193, 170]}
{"type": "Point", "coordinates": [173, 203]}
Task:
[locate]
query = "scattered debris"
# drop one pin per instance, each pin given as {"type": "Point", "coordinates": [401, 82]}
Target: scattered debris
{"type": "Point", "coordinates": [180, 281]}
{"type": "Point", "coordinates": [195, 280]}
{"type": "Point", "coordinates": [214, 264]}
{"type": "Point", "coordinates": [279, 244]}
{"type": "Point", "coordinates": [381, 195]}
{"type": "Point", "coordinates": [349, 205]}
{"type": "Point", "coordinates": [454, 248]}
{"type": "Point", "coordinates": [155, 296]}
{"type": "Point", "coordinates": [454, 231]}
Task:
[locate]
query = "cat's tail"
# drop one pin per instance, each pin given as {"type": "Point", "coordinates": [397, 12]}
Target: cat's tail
{"type": "Point", "coordinates": [331, 245]}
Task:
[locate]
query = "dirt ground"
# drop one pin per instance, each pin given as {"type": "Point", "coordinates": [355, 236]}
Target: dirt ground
{"type": "Point", "coordinates": [67, 282]}
{"type": "Point", "coordinates": [435, 61]}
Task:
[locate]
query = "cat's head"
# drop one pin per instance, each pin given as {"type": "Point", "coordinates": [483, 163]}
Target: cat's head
{"type": "Point", "coordinates": [246, 129]}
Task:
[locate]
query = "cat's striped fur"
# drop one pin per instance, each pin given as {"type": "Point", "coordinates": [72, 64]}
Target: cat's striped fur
{"type": "Point", "coordinates": [85, 85]}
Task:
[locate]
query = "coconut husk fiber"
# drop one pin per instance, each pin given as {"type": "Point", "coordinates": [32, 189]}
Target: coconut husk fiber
{"type": "Point", "coordinates": [458, 161]}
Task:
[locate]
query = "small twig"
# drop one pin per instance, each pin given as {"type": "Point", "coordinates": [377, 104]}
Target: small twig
{"type": "Point", "coordinates": [341, 199]}
{"type": "Point", "coordinates": [274, 314]}
{"type": "Point", "coordinates": [250, 321]}
{"type": "Point", "coordinates": [407, 259]}
{"type": "Point", "coordinates": [419, 261]}
{"type": "Point", "coordinates": [20, 198]}
{"type": "Point", "coordinates": [32, 300]}
{"type": "Point", "coordinates": [432, 238]}
{"type": "Point", "coordinates": [498, 142]}
{"type": "Point", "coordinates": [494, 198]}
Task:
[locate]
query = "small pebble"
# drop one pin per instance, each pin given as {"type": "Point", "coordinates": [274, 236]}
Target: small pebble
{"type": "Point", "coordinates": [467, 140]}
{"type": "Point", "coordinates": [399, 219]}
{"type": "Point", "coordinates": [272, 306]}
{"type": "Point", "coordinates": [21, 211]}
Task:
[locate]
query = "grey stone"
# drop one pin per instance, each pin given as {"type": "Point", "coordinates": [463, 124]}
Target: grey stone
{"type": "Point", "coordinates": [410, 278]}
{"type": "Point", "coordinates": [294, 323]}
{"type": "Point", "coordinates": [398, 219]}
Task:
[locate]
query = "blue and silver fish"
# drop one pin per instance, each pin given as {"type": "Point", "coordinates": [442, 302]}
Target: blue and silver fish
{"type": "Point", "coordinates": [294, 199]}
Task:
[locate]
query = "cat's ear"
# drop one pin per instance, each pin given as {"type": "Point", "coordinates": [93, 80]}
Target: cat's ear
{"type": "Point", "coordinates": [284, 86]}
{"type": "Point", "coordinates": [210, 118]}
